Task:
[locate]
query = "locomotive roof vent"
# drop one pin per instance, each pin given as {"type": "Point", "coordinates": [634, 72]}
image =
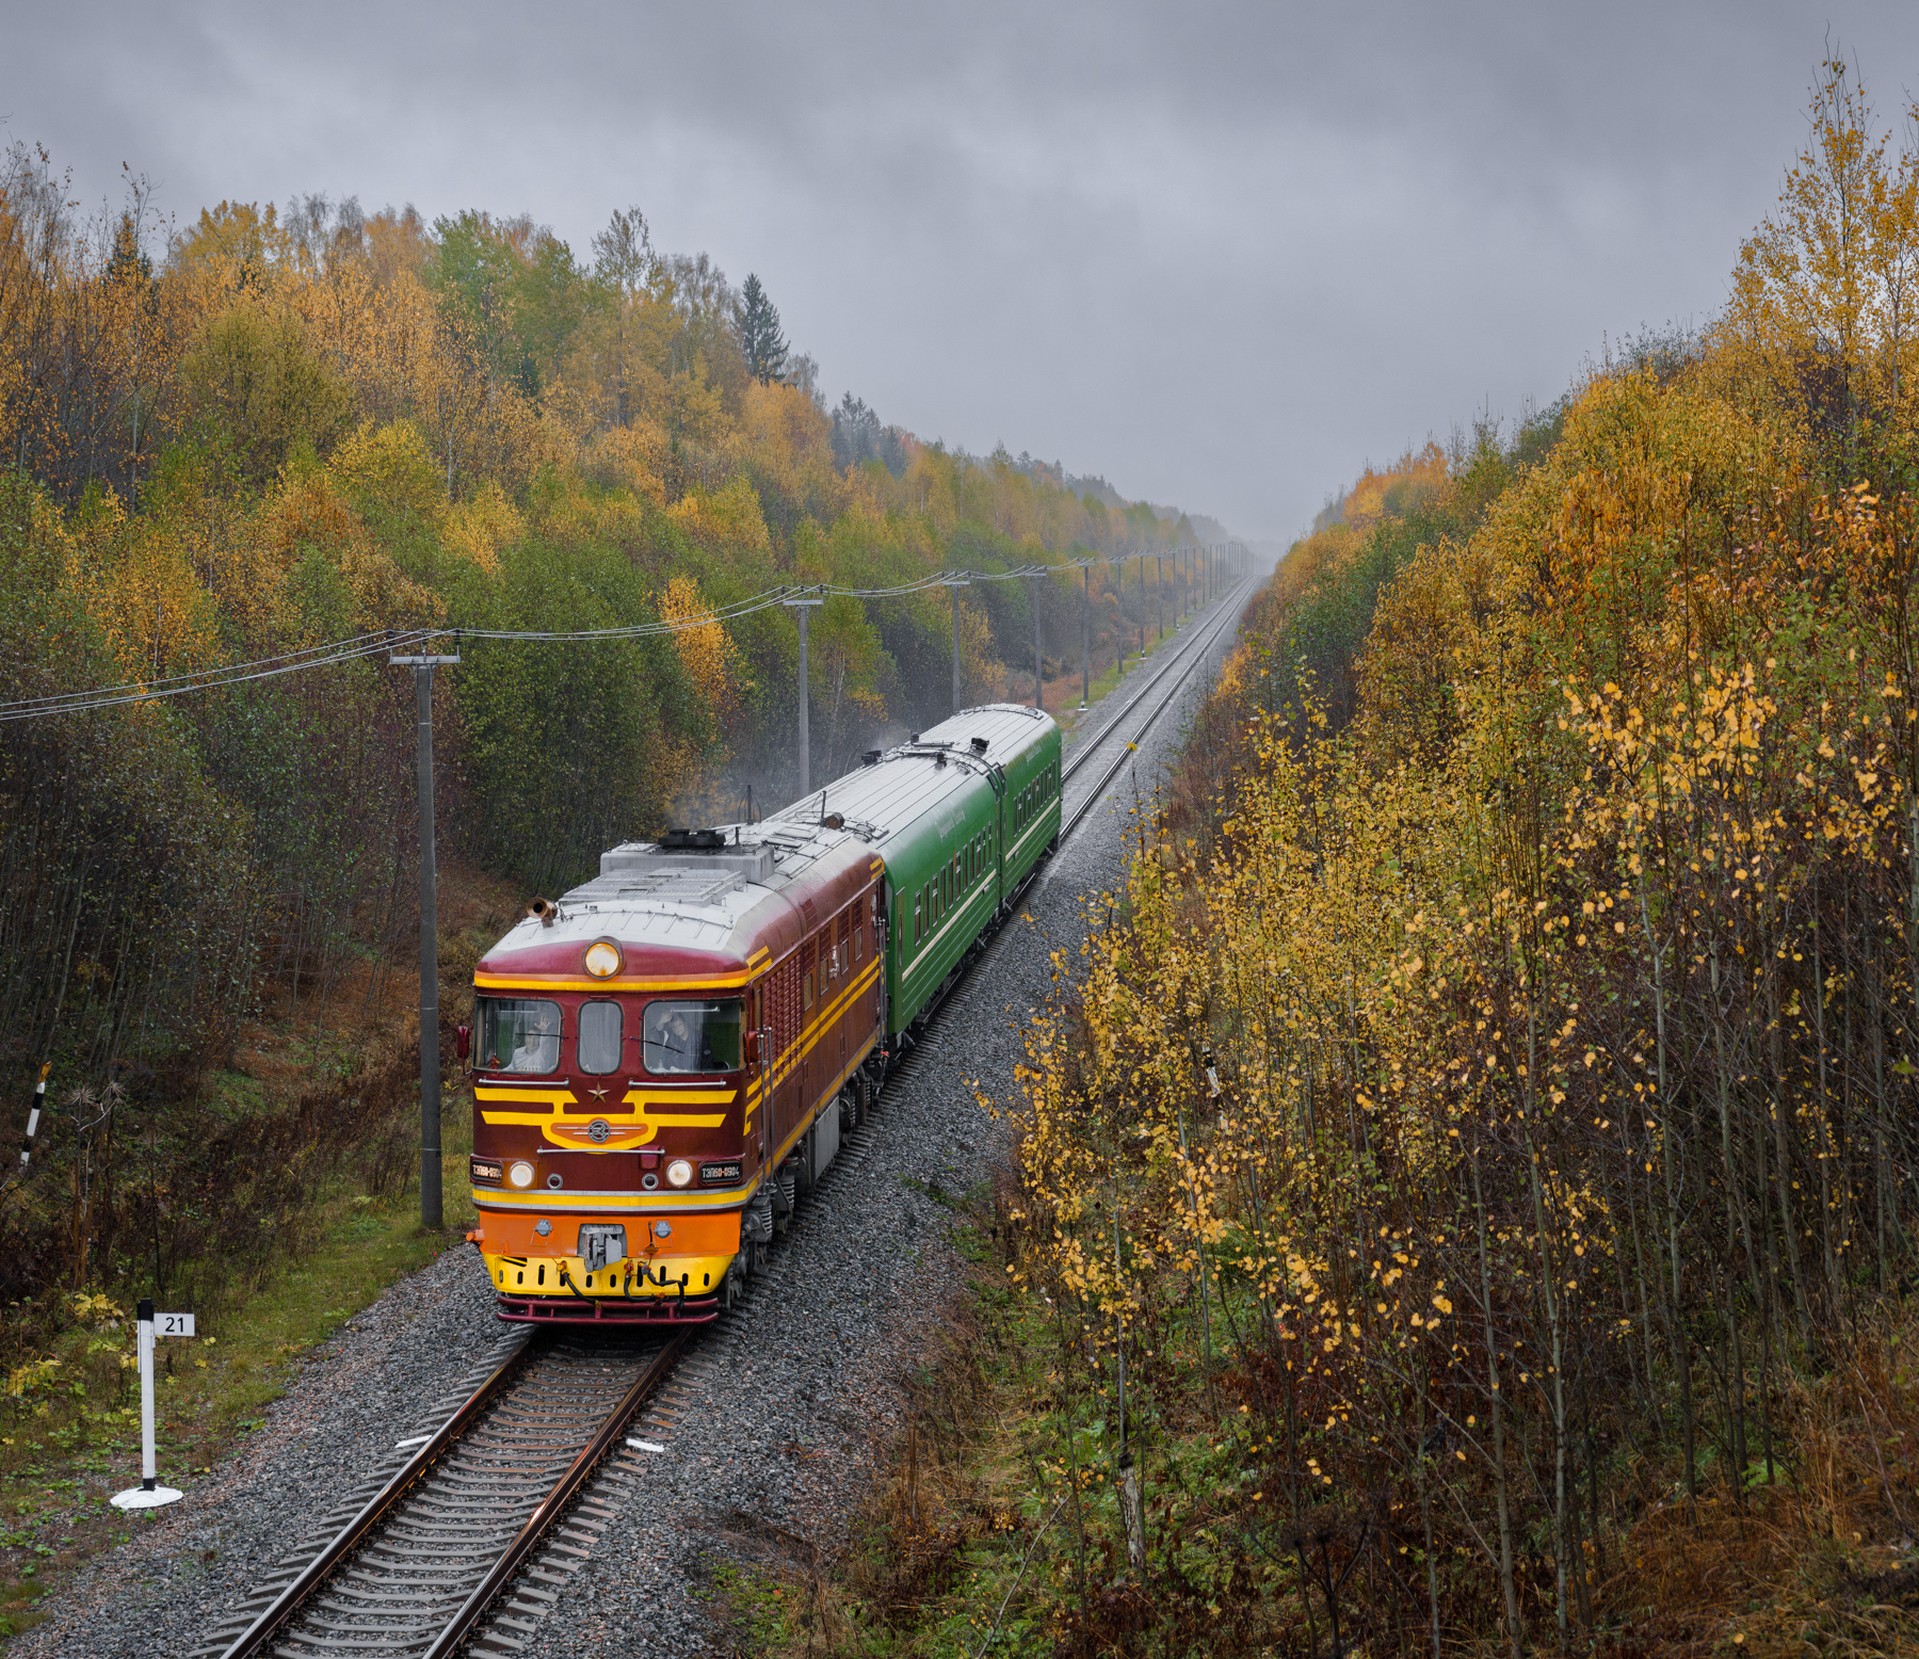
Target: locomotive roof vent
{"type": "Point", "coordinates": [674, 864]}
{"type": "Point", "coordinates": [979, 745]}
{"type": "Point", "coordinates": [872, 757]}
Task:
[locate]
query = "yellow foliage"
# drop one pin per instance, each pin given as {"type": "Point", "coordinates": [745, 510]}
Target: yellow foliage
{"type": "Point", "coordinates": [705, 651]}
{"type": "Point", "coordinates": [477, 528]}
{"type": "Point", "coordinates": [389, 467]}
{"type": "Point", "coordinates": [728, 518]}
{"type": "Point", "coordinates": [1523, 1061]}
{"type": "Point", "coordinates": [1395, 489]}
{"type": "Point", "coordinates": [636, 458]}
{"type": "Point", "coordinates": [32, 1377]}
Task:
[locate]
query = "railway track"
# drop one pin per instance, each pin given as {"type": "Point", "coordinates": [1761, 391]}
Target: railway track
{"type": "Point", "coordinates": [418, 1567]}
{"type": "Point", "coordinates": [1179, 667]}
{"type": "Point", "coordinates": [469, 1540]}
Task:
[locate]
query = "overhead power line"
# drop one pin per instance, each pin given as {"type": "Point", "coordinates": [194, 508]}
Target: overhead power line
{"type": "Point", "coordinates": [361, 646]}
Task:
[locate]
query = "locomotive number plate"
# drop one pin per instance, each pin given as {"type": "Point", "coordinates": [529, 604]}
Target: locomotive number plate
{"type": "Point", "coordinates": [716, 1175]}
{"type": "Point", "coordinates": [487, 1170]}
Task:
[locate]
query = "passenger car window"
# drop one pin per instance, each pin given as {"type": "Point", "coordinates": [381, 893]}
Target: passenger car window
{"type": "Point", "coordinates": [599, 1037]}
{"type": "Point", "coordinates": [519, 1034]}
{"type": "Point", "coordinates": [691, 1037]}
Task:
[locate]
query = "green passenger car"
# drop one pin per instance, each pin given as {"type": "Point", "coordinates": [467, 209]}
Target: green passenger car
{"type": "Point", "coordinates": [960, 816]}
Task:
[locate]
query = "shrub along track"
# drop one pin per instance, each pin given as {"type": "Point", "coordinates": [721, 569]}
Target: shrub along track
{"type": "Point", "coordinates": [516, 1513]}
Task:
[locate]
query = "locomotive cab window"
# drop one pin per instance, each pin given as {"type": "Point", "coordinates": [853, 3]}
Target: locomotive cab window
{"type": "Point", "coordinates": [519, 1034]}
{"type": "Point", "coordinates": [692, 1037]}
{"type": "Point", "coordinates": [598, 1043]}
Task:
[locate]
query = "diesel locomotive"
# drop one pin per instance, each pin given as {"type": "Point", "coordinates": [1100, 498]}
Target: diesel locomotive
{"type": "Point", "coordinates": [663, 1062]}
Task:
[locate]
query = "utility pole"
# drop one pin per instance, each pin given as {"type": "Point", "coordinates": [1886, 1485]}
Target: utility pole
{"type": "Point", "coordinates": [423, 666]}
{"type": "Point", "coordinates": [955, 583]}
{"type": "Point", "coordinates": [1039, 662]}
{"type": "Point", "coordinates": [1142, 607]}
{"type": "Point", "coordinates": [803, 607]}
{"type": "Point", "coordinates": [1086, 637]}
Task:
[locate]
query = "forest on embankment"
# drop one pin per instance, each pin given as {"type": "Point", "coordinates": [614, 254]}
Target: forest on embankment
{"type": "Point", "coordinates": [264, 431]}
{"type": "Point", "coordinates": [1467, 1189]}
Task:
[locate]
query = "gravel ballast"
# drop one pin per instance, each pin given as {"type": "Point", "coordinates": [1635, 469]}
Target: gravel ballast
{"type": "Point", "coordinates": [773, 1426]}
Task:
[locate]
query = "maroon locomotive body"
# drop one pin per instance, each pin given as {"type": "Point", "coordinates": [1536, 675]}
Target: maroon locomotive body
{"type": "Point", "coordinates": [663, 1059]}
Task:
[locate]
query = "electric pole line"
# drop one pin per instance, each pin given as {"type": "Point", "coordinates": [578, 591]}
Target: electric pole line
{"type": "Point", "coordinates": [1142, 607]}
{"type": "Point", "coordinates": [1039, 662]}
{"type": "Point", "coordinates": [955, 583]}
{"type": "Point", "coordinates": [1086, 637]}
{"type": "Point", "coordinates": [803, 607]}
{"type": "Point", "coordinates": [430, 1208]}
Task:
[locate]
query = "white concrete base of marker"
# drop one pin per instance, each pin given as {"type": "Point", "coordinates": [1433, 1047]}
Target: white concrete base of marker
{"type": "Point", "coordinates": [142, 1497]}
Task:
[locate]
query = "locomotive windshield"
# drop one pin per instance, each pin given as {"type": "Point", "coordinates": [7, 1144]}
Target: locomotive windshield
{"type": "Point", "coordinates": [519, 1034]}
{"type": "Point", "coordinates": [693, 1036]}
{"type": "Point", "coordinates": [599, 1037]}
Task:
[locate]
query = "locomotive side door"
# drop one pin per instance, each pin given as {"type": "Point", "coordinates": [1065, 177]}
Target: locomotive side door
{"type": "Point", "coordinates": [996, 776]}
{"type": "Point", "coordinates": [761, 1063]}
{"type": "Point", "coordinates": [882, 902]}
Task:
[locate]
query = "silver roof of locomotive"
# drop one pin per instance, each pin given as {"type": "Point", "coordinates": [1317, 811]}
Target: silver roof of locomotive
{"type": "Point", "coordinates": [912, 780]}
{"type": "Point", "coordinates": [696, 899]}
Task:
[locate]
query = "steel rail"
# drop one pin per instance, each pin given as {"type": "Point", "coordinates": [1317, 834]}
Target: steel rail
{"type": "Point", "coordinates": [349, 1537]}
{"type": "Point", "coordinates": [1206, 628]}
{"type": "Point", "coordinates": [1186, 663]}
{"type": "Point", "coordinates": [279, 1619]}
{"type": "Point", "coordinates": [554, 1504]}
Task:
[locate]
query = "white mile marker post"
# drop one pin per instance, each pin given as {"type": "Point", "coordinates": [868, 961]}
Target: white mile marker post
{"type": "Point", "coordinates": [150, 1494]}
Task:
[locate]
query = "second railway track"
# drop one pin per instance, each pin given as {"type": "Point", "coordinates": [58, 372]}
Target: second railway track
{"type": "Point", "coordinates": [454, 1550]}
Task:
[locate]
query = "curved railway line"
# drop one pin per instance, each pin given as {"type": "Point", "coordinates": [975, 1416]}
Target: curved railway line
{"type": "Point", "coordinates": [474, 1536]}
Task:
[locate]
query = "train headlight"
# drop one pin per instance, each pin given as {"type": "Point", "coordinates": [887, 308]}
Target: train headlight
{"type": "Point", "coordinates": [679, 1173]}
{"type": "Point", "coordinates": [519, 1173]}
{"type": "Point", "coordinates": [602, 959]}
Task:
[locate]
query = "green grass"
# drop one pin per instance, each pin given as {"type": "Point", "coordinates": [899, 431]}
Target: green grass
{"type": "Point", "coordinates": [971, 1540]}
{"type": "Point", "coordinates": [1110, 676]}
{"type": "Point", "coordinates": [73, 1434]}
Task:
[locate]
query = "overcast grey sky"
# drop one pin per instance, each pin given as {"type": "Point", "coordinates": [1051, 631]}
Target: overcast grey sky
{"type": "Point", "coordinates": [1223, 254]}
